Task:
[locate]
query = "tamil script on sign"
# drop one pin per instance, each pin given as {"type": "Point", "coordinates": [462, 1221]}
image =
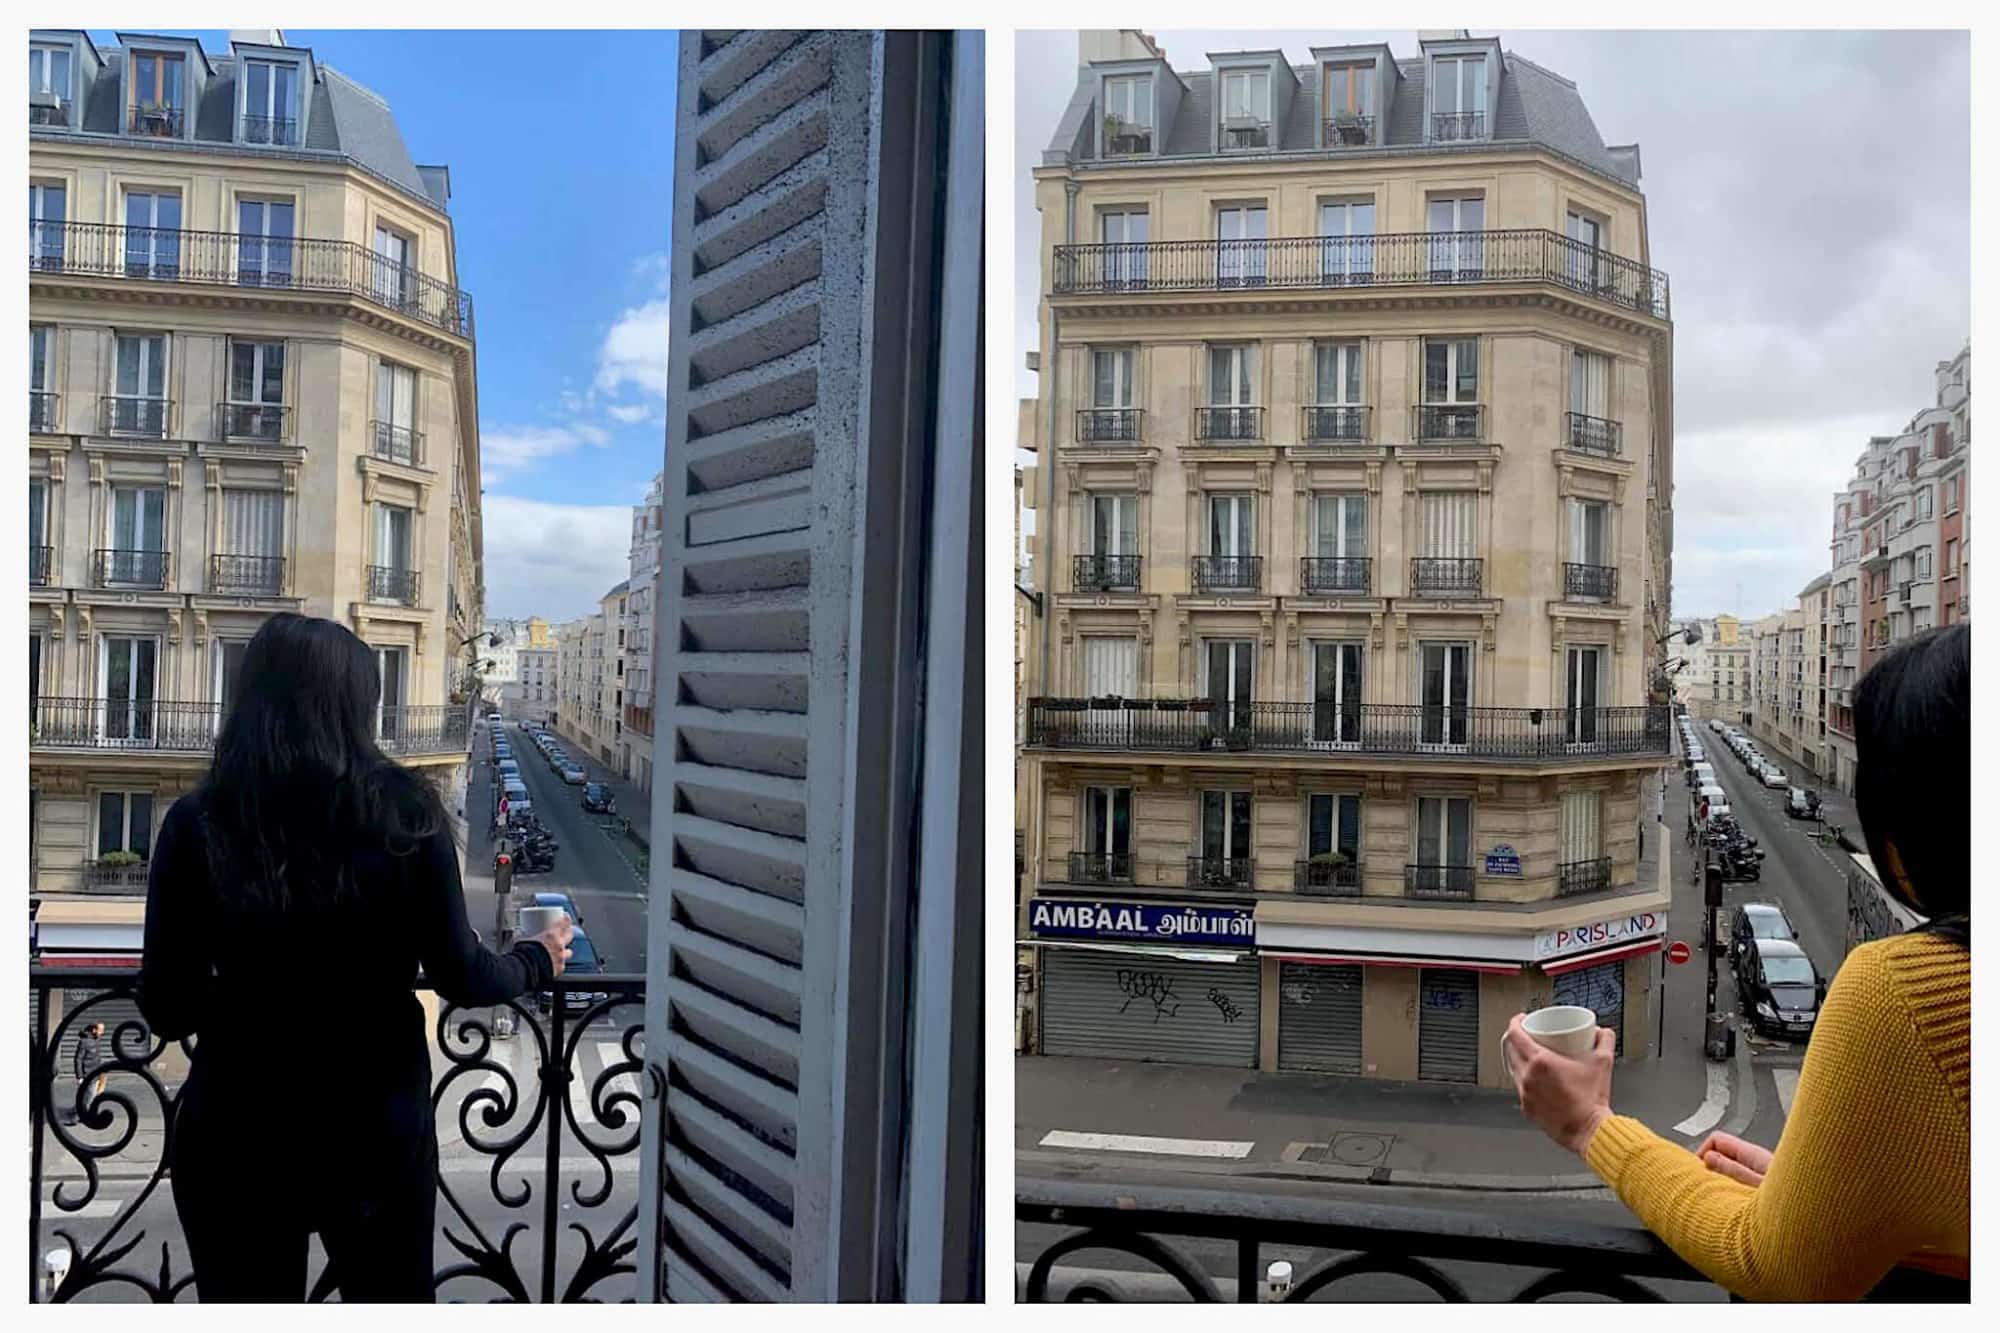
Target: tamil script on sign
{"type": "Point", "coordinates": [1141, 921]}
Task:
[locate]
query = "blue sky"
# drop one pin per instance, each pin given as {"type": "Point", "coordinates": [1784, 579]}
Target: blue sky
{"type": "Point", "coordinates": [560, 146]}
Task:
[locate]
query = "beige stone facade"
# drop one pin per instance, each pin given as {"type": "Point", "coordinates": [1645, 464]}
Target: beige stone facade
{"type": "Point", "coordinates": [208, 444]}
{"type": "Point", "coordinates": [1389, 640]}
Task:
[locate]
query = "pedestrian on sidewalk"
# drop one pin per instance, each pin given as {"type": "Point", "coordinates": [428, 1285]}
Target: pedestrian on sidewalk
{"type": "Point", "coordinates": [1869, 1191]}
{"type": "Point", "coordinates": [89, 1051]}
{"type": "Point", "coordinates": [309, 874]}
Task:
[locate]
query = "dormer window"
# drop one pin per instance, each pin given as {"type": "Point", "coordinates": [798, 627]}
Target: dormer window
{"type": "Point", "coordinates": [270, 103]}
{"type": "Point", "coordinates": [1458, 98]}
{"type": "Point", "coordinates": [157, 93]}
{"type": "Point", "coordinates": [49, 95]}
{"type": "Point", "coordinates": [1246, 108]}
{"type": "Point", "coordinates": [1347, 105]}
{"type": "Point", "coordinates": [1128, 116]}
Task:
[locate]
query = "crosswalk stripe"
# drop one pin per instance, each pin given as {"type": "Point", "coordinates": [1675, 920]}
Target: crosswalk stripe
{"type": "Point", "coordinates": [1788, 1084]}
{"type": "Point", "coordinates": [1064, 1138]}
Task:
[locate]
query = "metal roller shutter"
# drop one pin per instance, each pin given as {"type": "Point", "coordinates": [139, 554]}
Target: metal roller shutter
{"type": "Point", "coordinates": [1319, 1017]}
{"type": "Point", "coordinates": [1143, 1007]}
{"type": "Point", "coordinates": [1601, 989]}
{"type": "Point", "coordinates": [1448, 1025]}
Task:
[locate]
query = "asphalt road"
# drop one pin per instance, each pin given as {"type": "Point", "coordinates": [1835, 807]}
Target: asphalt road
{"type": "Point", "coordinates": [591, 864]}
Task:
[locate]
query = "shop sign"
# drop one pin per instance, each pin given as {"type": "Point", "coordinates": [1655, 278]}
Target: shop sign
{"type": "Point", "coordinates": [1503, 860]}
{"type": "Point", "coordinates": [1599, 935]}
{"type": "Point", "coordinates": [1089, 919]}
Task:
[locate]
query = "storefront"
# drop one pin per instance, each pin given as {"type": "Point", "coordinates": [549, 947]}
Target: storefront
{"type": "Point", "coordinates": [1319, 1017]}
{"type": "Point", "coordinates": [1130, 980]}
{"type": "Point", "coordinates": [1598, 964]}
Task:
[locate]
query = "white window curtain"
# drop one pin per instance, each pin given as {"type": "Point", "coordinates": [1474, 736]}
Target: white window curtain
{"type": "Point", "coordinates": [253, 523]}
{"type": "Point", "coordinates": [1450, 519]}
{"type": "Point", "coordinates": [1586, 532]}
{"type": "Point", "coordinates": [1110, 666]}
{"type": "Point", "coordinates": [392, 537]}
{"type": "Point", "coordinates": [1582, 834]}
{"type": "Point", "coordinates": [1340, 525]}
{"type": "Point", "coordinates": [1230, 376]}
{"type": "Point", "coordinates": [396, 395]}
{"type": "Point", "coordinates": [1232, 528]}
{"type": "Point", "coordinates": [1590, 384]}
{"type": "Point", "coordinates": [1114, 524]}
{"type": "Point", "coordinates": [1111, 382]}
{"type": "Point", "coordinates": [1337, 382]}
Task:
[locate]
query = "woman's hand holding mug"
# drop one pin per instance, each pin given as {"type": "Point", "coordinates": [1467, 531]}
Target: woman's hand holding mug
{"type": "Point", "coordinates": [1568, 1096]}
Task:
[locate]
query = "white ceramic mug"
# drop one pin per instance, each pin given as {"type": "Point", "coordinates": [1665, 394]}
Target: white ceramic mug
{"type": "Point", "coordinates": [1566, 1029]}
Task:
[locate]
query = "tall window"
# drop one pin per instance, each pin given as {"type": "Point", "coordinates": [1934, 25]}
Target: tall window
{"type": "Point", "coordinates": [1951, 495]}
{"type": "Point", "coordinates": [127, 675]}
{"type": "Point", "coordinates": [1447, 695]}
{"type": "Point", "coordinates": [1584, 674]}
{"type": "Point", "coordinates": [1128, 115]}
{"type": "Point", "coordinates": [270, 102]}
{"type": "Point", "coordinates": [1457, 244]}
{"type": "Point", "coordinates": [1231, 681]}
{"type": "Point", "coordinates": [1336, 686]}
{"type": "Point", "coordinates": [125, 823]}
{"type": "Point", "coordinates": [47, 212]}
{"type": "Point", "coordinates": [1241, 234]}
{"type": "Point", "coordinates": [1232, 375]}
{"type": "Point", "coordinates": [1924, 502]}
{"type": "Point", "coordinates": [1585, 263]}
{"type": "Point", "coordinates": [1590, 385]}
{"type": "Point", "coordinates": [1337, 374]}
{"type": "Point", "coordinates": [394, 278]}
{"type": "Point", "coordinates": [1232, 526]}
{"type": "Point", "coordinates": [1246, 108]}
{"type": "Point", "coordinates": [1458, 97]}
{"type": "Point", "coordinates": [1111, 377]}
{"type": "Point", "coordinates": [264, 242]}
{"type": "Point", "coordinates": [1125, 231]}
{"type": "Point", "coordinates": [253, 542]}
{"type": "Point", "coordinates": [1444, 832]}
{"type": "Point", "coordinates": [38, 533]}
{"type": "Point", "coordinates": [41, 378]}
{"type": "Point", "coordinates": [152, 234]}
{"type": "Point", "coordinates": [1588, 544]}
{"type": "Point", "coordinates": [393, 664]}
{"type": "Point", "coordinates": [1107, 832]}
{"type": "Point", "coordinates": [392, 537]}
{"type": "Point", "coordinates": [1114, 523]}
{"type": "Point", "coordinates": [140, 405]}
{"type": "Point", "coordinates": [158, 93]}
{"type": "Point", "coordinates": [1225, 835]}
{"type": "Point", "coordinates": [256, 390]}
{"type": "Point", "coordinates": [1451, 371]}
{"type": "Point", "coordinates": [1339, 526]}
{"type": "Point", "coordinates": [138, 536]}
{"type": "Point", "coordinates": [1582, 827]}
{"type": "Point", "coordinates": [1347, 241]}
{"type": "Point", "coordinates": [1348, 92]}
{"type": "Point", "coordinates": [1333, 824]}
{"type": "Point", "coordinates": [228, 670]}
{"type": "Point", "coordinates": [48, 72]}
{"type": "Point", "coordinates": [1450, 525]}
{"type": "Point", "coordinates": [395, 412]}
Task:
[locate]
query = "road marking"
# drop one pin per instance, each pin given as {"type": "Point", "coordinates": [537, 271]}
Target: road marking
{"type": "Point", "coordinates": [610, 1053]}
{"type": "Point", "coordinates": [96, 1208]}
{"type": "Point", "coordinates": [1064, 1138]}
{"type": "Point", "coordinates": [1710, 1111]}
{"type": "Point", "coordinates": [1788, 1084]}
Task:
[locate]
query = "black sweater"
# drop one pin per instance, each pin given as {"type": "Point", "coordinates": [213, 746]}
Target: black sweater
{"type": "Point", "coordinates": [321, 996]}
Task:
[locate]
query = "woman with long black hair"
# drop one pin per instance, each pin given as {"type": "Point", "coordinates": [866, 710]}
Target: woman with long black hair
{"type": "Point", "coordinates": [293, 896]}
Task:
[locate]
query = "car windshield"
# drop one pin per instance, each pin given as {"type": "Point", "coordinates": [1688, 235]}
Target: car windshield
{"type": "Point", "coordinates": [1788, 970]}
{"type": "Point", "coordinates": [1768, 926]}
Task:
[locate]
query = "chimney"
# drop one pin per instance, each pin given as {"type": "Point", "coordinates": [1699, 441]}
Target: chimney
{"type": "Point", "coordinates": [257, 36]}
{"type": "Point", "coordinates": [1444, 34]}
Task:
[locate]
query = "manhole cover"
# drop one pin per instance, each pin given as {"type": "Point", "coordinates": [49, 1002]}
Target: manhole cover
{"type": "Point", "coordinates": [1360, 1149]}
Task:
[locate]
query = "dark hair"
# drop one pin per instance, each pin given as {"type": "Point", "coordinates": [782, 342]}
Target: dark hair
{"type": "Point", "coordinates": [1913, 775]}
{"type": "Point", "coordinates": [298, 785]}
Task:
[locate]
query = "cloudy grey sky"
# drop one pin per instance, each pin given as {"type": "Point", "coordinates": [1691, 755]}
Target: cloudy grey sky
{"type": "Point", "coordinates": [1809, 197]}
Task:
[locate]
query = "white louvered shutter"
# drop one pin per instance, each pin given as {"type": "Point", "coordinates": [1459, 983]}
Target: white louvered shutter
{"type": "Point", "coordinates": [800, 1009]}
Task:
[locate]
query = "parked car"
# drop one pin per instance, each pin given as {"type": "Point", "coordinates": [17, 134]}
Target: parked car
{"type": "Point", "coordinates": [573, 775]}
{"type": "Point", "coordinates": [1775, 777]}
{"type": "Point", "coordinates": [1758, 921]}
{"type": "Point", "coordinates": [1704, 776]}
{"type": "Point", "coordinates": [1778, 987]}
{"type": "Point", "coordinates": [509, 769]}
{"type": "Point", "coordinates": [597, 797]}
{"type": "Point", "coordinates": [1715, 724]}
{"type": "Point", "coordinates": [1802, 804]}
{"type": "Point", "coordinates": [583, 962]}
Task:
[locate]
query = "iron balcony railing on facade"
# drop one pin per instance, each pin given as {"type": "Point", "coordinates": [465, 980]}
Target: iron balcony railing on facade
{"type": "Point", "coordinates": [1595, 435]}
{"type": "Point", "coordinates": [40, 560]}
{"type": "Point", "coordinates": [1596, 583]}
{"type": "Point", "coordinates": [1109, 425]}
{"type": "Point", "coordinates": [156, 122]}
{"type": "Point", "coordinates": [1123, 139]}
{"type": "Point", "coordinates": [1100, 867]}
{"type": "Point", "coordinates": [1335, 575]}
{"type": "Point", "coordinates": [1589, 876]}
{"type": "Point", "coordinates": [133, 414]}
{"type": "Point", "coordinates": [1447, 576]}
{"type": "Point", "coordinates": [263, 423]}
{"type": "Point", "coordinates": [1457, 126]}
{"type": "Point", "coordinates": [408, 729]}
{"type": "Point", "coordinates": [53, 115]}
{"type": "Point", "coordinates": [1334, 425]}
{"type": "Point", "coordinates": [44, 411]}
{"type": "Point", "coordinates": [246, 575]}
{"type": "Point", "coordinates": [398, 444]}
{"type": "Point", "coordinates": [1422, 881]}
{"type": "Point", "coordinates": [1334, 729]}
{"type": "Point", "coordinates": [1106, 573]}
{"type": "Point", "coordinates": [1339, 878]}
{"type": "Point", "coordinates": [113, 879]}
{"type": "Point", "coordinates": [390, 583]}
{"type": "Point", "coordinates": [1255, 134]}
{"type": "Point", "coordinates": [541, 1135]}
{"type": "Point", "coordinates": [1448, 423]}
{"type": "Point", "coordinates": [1228, 573]}
{"type": "Point", "coordinates": [277, 131]}
{"type": "Point", "coordinates": [1416, 258]}
{"type": "Point", "coordinates": [1347, 132]}
{"type": "Point", "coordinates": [1229, 423]}
{"type": "Point", "coordinates": [133, 722]}
{"type": "Point", "coordinates": [131, 569]}
{"type": "Point", "coordinates": [1220, 872]}
{"type": "Point", "coordinates": [227, 259]}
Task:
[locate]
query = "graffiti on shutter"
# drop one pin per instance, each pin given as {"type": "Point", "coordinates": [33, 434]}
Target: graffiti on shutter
{"type": "Point", "coordinates": [1448, 1025]}
{"type": "Point", "coordinates": [1600, 989]}
{"type": "Point", "coordinates": [1147, 1007]}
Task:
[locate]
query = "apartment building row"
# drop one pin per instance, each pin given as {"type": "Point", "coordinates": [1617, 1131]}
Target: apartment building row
{"type": "Point", "coordinates": [1352, 550]}
{"type": "Point", "coordinates": [252, 389]}
{"type": "Point", "coordinates": [1712, 678]}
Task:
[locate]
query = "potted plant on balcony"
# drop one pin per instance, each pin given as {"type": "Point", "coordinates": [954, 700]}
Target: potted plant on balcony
{"type": "Point", "coordinates": [1222, 874]}
{"type": "Point", "coordinates": [156, 117]}
{"type": "Point", "coordinates": [1323, 869]}
{"type": "Point", "coordinates": [1238, 738]}
{"type": "Point", "coordinates": [1350, 128]}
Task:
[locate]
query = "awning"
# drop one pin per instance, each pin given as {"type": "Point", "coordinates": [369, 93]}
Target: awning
{"type": "Point", "coordinates": [1389, 960]}
{"type": "Point", "coordinates": [1558, 966]}
{"type": "Point", "coordinates": [1147, 950]}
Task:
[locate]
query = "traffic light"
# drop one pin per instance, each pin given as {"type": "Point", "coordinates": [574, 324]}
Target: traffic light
{"type": "Point", "coordinates": [503, 874]}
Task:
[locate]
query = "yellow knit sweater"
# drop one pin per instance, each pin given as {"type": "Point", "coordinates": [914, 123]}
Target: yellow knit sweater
{"type": "Point", "coordinates": [1874, 1167]}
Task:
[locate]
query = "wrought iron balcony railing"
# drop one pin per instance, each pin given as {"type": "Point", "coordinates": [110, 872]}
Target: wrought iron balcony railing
{"type": "Point", "coordinates": [1437, 881]}
{"type": "Point", "coordinates": [263, 423]}
{"type": "Point", "coordinates": [1334, 425]}
{"type": "Point", "coordinates": [388, 583]}
{"type": "Point", "coordinates": [1595, 435]}
{"type": "Point", "coordinates": [1109, 425]}
{"type": "Point", "coordinates": [425, 729]}
{"type": "Point", "coordinates": [1228, 573]}
{"type": "Point", "coordinates": [1235, 138]}
{"type": "Point", "coordinates": [1597, 583]}
{"type": "Point", "coordinates": [539, 1172]}
{"type": "Point", "coordinates": [1448, 423]}
{"type": "Point", "coordinates": [246, 575]}
{"type": "Point", "coordinates": [156, 122]}
{"type": "Point", "coordinates": [131, 569]}
{"type": "Point", "coordinates": [1335, 575]}
{"type": "Point", "coordinates": [44, 411]}
{"type": "Point", "coordinates": [52, 117]}
{"type": "Point", "coordinates": [1229, 423]}
{"type": "Point", "coordinates": [1447, 576]}
{"type": "Point", "coordinates": [1416, 258]}
{"type": "Point", "coordinates": [277, 131]}
{"type": "Point", "coordinates": [1106, 573]}
{"type": "Point", "coordinates": [1457, 126]}
{"type": "Point", "coordinates": [129, 414]}
{"type": "Point", "coordinates": [1220, 872]}
{"type": "Point", "coordinates": [1100, 867]}
{"type": "Point", "coordinates": [40, 560]}
{"type": "Point", "coordinates": [1347, 132]}
{"type": "Point", "coordinates": [127, 723]}
{"type": "Point", "coordinates": [122, 881]}
{"type": "Point", "coordinates": [1342, 879]}
{"type": "Point", "coordinates": [1591, 876]}
{"type": "Point", "coordinates": [226, 259]}
{"type": "Point", "coordinates": [398, 444]}
{"type": "Point", "coordinates": [1127, 140]}
{"type": "Point", "coordinates": [1449, 733]}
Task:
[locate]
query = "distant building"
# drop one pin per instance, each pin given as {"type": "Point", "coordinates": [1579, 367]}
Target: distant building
{"type": "Point", "coordinates": [635, 762]}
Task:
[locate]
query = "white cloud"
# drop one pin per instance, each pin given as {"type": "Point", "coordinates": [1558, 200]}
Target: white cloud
{"type": "Point", "coordinates": [630, 414]}
{"type": "Point", "coordinates": [508, 449]}
{"type": "Point", "coordinates": [552, 560]}
{"type": "Point", "coordinates": [635, 351]}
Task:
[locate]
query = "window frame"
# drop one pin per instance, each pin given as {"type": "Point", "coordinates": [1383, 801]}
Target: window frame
{"type": "Point", "coordinates": [259, 347]}
{"type": "Point", "coordinates": [295, 103]}
{"type": "Point", "coordinates": [125, 803]}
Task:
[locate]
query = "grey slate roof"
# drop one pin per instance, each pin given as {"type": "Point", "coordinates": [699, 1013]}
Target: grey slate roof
{"type": "Point", "coordinates": [344, 119]}
{"type": "Point", "coordinates": [1536, 106]}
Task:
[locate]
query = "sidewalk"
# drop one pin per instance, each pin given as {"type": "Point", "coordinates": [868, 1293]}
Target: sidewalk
{"type": "Point", "coordinates": [634, 805]}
